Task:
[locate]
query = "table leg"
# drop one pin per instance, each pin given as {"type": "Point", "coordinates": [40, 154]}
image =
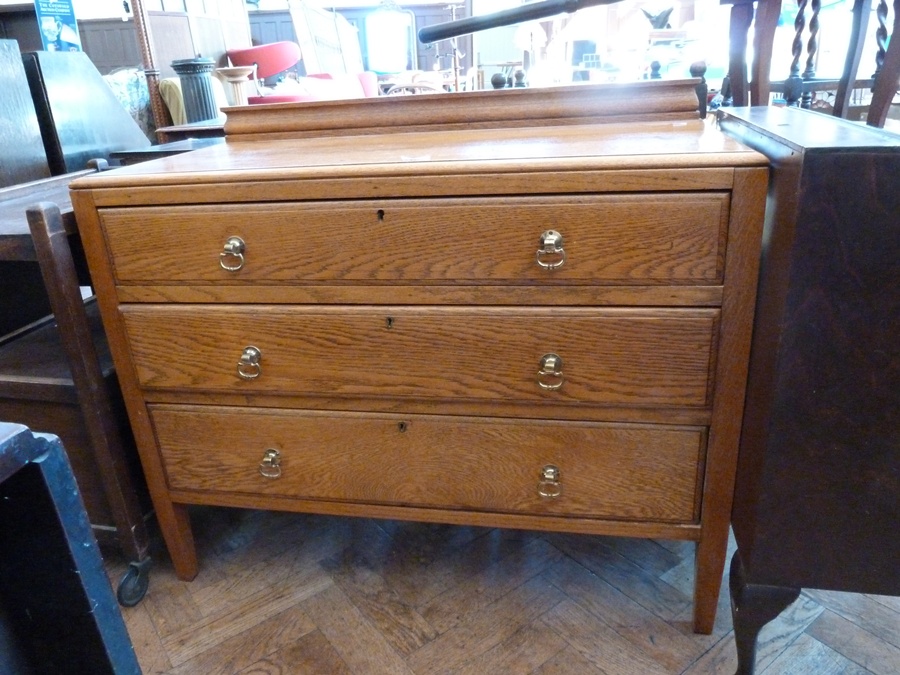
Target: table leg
{"type": "Point", "coordinates": [752, 607]}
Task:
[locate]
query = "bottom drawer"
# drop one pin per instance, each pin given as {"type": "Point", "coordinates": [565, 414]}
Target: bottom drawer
{"type": "Point", "coordinates": [628, 472]}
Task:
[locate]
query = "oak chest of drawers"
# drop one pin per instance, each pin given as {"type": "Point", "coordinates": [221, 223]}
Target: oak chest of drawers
{"type": "Point", "coordinates": [542, 330]}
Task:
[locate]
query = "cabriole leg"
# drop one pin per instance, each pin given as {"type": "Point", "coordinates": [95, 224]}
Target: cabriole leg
{"type": "Point", "coordinates": [752, 607]}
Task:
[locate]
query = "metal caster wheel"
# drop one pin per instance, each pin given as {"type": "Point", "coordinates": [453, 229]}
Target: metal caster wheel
{"type": "Point", "coordinates": [134, 583]}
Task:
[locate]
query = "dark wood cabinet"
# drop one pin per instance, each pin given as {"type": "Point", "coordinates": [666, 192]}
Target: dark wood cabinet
{"type": "Point", "coordinates": [817, 495]}
{"type": "Point", "coordinates": [80, 123]}
{"type": "Point", "coordinates": [23, 158]}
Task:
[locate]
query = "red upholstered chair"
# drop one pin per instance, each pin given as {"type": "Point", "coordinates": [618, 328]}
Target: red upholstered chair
{"type": "Point", "coordinates": [269, 59]}
{"type": "Point", "coordinates": [276, 57]}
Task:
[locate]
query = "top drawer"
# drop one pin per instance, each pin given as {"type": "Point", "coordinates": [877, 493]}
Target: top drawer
{"type": "Point", "coordinates": [616, 239]}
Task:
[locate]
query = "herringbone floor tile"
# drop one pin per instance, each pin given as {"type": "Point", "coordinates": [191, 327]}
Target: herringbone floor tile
{"type": "Point", "coordinates": [294, 594]}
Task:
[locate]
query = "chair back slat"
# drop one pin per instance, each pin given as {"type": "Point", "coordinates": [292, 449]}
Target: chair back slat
{"type": "Point", "coordinates": [802, 81]}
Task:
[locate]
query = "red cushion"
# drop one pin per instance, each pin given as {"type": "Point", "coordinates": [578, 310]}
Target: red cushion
{"type": "Point", "coordinates": [369, 81]}
{"type": "Point", "coordinates": [270, 59]}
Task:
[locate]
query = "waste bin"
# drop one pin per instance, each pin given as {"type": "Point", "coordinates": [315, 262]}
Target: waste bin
{"type": "Point", "coordinates": [196, 88]}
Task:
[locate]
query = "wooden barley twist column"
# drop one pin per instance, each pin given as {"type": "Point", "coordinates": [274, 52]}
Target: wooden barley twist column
{"type": "Point", "coordinates": [812, 46]}
{"type": "Point", "coordinates": [145, 43]}
{"type": "Point", "coordinates": [793, 89]}
{"type": "Point", "coordinates": [887, 75]}
{"type": "Point", "coordinates": [881, 33]}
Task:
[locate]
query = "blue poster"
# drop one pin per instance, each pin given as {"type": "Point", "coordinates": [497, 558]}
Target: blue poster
{"type": "Point", "coordinates": [59, 31]}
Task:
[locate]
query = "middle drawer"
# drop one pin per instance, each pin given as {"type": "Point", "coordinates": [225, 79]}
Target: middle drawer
{"type": "Point", "coordinates": [614, 356]}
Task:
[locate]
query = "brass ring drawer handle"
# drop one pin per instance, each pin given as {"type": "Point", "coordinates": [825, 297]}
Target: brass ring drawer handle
{"type": "Point", "coordinates": [248, 367]}
{"type": "Point", "coordinates": [550, 376]}
{"type": "Point", "coordinates": [232, 251]}
{"type": "Point", "coordinates": [549, 485]}
{"type": "Point", "coordinates": [270, 466]}
{"type": "Point", "coordinates": [551, 246]}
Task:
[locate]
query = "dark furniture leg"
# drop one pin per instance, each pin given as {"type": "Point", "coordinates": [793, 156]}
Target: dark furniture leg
{"type": "Point", "coordinates": [752, 607]}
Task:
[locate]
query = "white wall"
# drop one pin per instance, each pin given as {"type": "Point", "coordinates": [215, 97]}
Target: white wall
{"type": "Point", "coordinates": [495, 45]}
{"type": "Point", "coordinates": [99, 9]}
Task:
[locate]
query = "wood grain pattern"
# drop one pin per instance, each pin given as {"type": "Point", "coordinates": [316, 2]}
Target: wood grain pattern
{"type": "Point", "coordinates": [662, 193]}
{"type": "Point", "coordinates": [15, 237]}
{"type": "Point", "coordinates": [631, 473]}
{"type": "Point", "coordinates": [420, 163]}
{"type": "Point", "coordinates": [360, 645]}
{"type": "Point", "coordinates": [610, 356]}
{"type": "Point", "coordinates": [738, 303]}
{"type": "Point", "coordinates": [575, 176]}
{"type": "Point", "coordinates": [216, 628]}
{"type": "Point", "coordinates": [642, 630]}
{"type": "Point", "coordinates": [23, 158]}
{"type": "Point", "coordinates": [859, 645]}
{"type": "Point", "coordinates": [598, 642]}
{"type": "Point", "coordinates": [621, 239]}
{"type": "Point", "coordinates": [870, 613]}
{"type": "Point", "coordinates": [173, 518]}
{"type": "Point", "coordinates": [590, 618]}
{"type": "Point", "coordinates": [547, 293]}
{"type": "Point", "coordinates": [674, 99]}
{"type": "Point", "coordinates": [816, 659]}
{"type": "Point", "coordinates": [818, 483]}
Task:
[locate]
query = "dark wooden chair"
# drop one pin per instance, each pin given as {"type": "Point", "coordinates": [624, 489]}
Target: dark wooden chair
{"type": "Point", "coordinates": [99, 399]}
{"type": "Point", "coordinates": [56, 374]}
{"type": "Point", "coordinates": [799, 84]}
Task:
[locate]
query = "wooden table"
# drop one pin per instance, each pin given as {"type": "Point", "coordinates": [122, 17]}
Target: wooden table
{"type": "Point", "coordinates": [25, 299]}
{"type": "Point", "coordinates": [16, 242]}
{"type": "Point", "coordinates": [126, 157]}
{"type": "Point", "coordinates": [180, 132]}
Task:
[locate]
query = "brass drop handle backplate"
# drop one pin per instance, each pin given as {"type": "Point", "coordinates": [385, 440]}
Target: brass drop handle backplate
{"type": "Point", "coordinates": [248, 367]}
{"type": "Point", "coordinates": [549, 485]}
{"type": "Point", "coordinates": [550, 376]}
{"type": "Point", "coordinates": [270, 466]}
{"type": "Point", "coordinates": [550, 253]}
{"type": "Point", "coordinates": [232, 256]}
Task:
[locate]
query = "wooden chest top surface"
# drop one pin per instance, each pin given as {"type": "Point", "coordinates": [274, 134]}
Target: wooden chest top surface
{"type": "Point", "coordinates": [642, 145]}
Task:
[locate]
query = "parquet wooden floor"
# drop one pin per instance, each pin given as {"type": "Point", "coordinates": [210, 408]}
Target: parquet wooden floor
{"type": "Point", "coordinates": [291, 594]}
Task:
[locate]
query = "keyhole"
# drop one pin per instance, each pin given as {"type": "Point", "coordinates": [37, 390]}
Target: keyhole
{"type": "Point", "coordinates": [389, 322]}
{"type": "Point", "coordinates": [380, 214]}
{"type": "Point", "coordinates": [401, 427]}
